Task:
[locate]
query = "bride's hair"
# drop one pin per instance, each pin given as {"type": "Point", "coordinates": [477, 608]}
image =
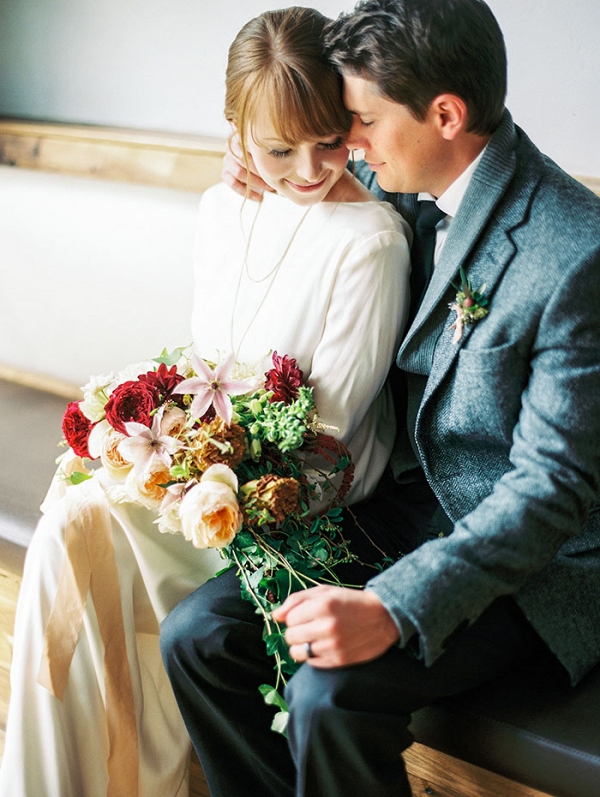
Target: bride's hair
{"type": "Point", "coordinates": [276, 66]}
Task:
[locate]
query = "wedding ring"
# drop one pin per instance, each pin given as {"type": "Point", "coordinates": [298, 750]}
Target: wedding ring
{"type": "Point", "coordinates": [309, 650]}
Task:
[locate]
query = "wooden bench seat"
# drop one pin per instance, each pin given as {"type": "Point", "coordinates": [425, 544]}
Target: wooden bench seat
{"type": "Point", "coordinates": [528, 729]}
{"type": "Point", "coordinates": [506, 740]}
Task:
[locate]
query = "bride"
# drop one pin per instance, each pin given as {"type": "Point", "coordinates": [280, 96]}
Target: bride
{"type": "Point", "coordinates": [317, 270]}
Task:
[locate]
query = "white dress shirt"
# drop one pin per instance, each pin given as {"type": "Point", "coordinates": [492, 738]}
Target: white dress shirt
{"type": "Point", "coordinates": [449, 202]}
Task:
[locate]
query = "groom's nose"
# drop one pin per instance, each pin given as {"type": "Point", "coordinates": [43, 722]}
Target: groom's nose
{"type": "Point", "coordinates": [356, 138]}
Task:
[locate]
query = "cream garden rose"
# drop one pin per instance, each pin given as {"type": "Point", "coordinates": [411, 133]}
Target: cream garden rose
{"type": "Point", "coordinates": [210, 513]}
{"type": "Point", "coordinates": [148, 488]}
{"type": "Point", "coordinates": [111, 457]}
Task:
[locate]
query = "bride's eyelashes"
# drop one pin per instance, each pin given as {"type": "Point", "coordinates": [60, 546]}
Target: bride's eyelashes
{"type": "Point", "coordinates": [323, 145]}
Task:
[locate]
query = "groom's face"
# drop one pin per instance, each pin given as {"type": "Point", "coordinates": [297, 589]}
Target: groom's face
{"type": "Point", "coordinates": [404, 152]}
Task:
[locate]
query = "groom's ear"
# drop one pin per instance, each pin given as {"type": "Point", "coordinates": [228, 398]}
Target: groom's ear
{"type": "Point", "coordinates": [450, 114]}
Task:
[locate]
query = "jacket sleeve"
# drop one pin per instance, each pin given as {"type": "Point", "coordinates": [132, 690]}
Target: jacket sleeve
{"type": "Point", "coordinates": [516, 528]}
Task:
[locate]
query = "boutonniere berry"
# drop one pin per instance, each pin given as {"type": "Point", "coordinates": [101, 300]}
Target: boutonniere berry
{"type": "Point", "coordinates": [469, 305]}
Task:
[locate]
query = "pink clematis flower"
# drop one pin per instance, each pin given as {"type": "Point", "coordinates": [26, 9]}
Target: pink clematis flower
{"type": "Point", "coordinates": [147, 447]}
{"type": "Point", "coordinates": [213, 388]}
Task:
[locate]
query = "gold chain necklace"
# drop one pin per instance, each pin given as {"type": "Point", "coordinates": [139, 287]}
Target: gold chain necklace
{"type": "Point", "coordinates": [272, 274]}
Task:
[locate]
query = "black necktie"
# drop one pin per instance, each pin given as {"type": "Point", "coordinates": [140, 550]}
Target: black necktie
{"type": "Point", "coordinates": [421, 256]}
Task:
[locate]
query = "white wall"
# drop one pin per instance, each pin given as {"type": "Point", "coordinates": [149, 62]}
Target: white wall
{"type": "Point", "coordinates": [158, 64]}
{"type": "Point", "coordinates": [554, 76]}
{"type": "Point", "coordinates": [95, 275]}
{"type": "Point", "coordinates": [155, 64]}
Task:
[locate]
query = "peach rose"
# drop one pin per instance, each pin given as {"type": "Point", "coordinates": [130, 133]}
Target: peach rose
{"type": "Point", "coordinates": [149, 489]}
{"type": "Point", "coordinates": [111, 457]}
{"type": "Point", "coordinates": [210, 513]}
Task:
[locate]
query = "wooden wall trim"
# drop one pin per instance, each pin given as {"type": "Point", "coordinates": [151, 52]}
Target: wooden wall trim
{"type": "Point", "coordinates": [43, 382]}
{"type": "Point", "coordinates": [183, 162]}
{"type": "Point", "coordinates": [432, 772]}
{"type": "Point", "coordinates": [167, 160]}
{"type": "Point", "coordinates": [593, 183]}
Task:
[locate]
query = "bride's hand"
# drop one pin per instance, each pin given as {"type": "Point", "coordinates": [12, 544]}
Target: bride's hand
{"type": "Point", "coordinates": [235, 174]}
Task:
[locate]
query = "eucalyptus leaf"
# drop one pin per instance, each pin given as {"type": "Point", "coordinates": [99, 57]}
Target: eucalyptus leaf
{"type": "Point", "coordinates": [172, 358]}
{"type": "Point", "coordinates": [77, 477]}
{"type": "Point", "coordinates": [280, 721]}
{"type": "Point", "coordinates": [272, 697]}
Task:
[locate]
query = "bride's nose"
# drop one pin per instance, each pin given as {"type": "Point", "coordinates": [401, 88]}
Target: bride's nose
{"type": "Point", "coordinates": [308, 166]}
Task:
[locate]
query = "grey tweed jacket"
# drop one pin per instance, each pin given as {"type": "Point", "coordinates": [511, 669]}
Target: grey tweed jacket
{"type": "Point", "coordinates": [507, 421]}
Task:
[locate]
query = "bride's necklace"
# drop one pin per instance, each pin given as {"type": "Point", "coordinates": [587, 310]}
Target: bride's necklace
{"type": "Point", "coordinates": [270, 275]}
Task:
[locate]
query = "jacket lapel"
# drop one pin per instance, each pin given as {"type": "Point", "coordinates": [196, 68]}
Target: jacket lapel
{"type": "Point", "coordinates": [480, 212]}
{"type": "Point", "coordinates": [485, 190]}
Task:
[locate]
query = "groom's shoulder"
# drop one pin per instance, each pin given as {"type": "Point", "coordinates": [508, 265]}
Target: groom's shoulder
{"type": "Point", "coordinates": [559, 199]}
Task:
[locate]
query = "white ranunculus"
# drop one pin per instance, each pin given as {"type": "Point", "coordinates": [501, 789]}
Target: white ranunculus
{"type": "Point", "coordinates": [148, 488]}
{"type": "Point", "coordinates": [95, 396]}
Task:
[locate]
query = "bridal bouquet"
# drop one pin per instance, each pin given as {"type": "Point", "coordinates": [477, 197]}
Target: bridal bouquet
{"type": "Point", "coordinates": [231, 459]}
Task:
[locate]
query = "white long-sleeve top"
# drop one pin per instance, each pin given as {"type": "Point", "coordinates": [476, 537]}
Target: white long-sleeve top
{"type": "Point", "coordinates": [328, 287]}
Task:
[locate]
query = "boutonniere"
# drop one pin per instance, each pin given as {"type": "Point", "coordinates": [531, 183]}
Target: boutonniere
{"type": "Point", "coordinates": [469, 305]}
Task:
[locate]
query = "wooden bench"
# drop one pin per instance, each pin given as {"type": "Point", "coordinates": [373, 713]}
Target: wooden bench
{"type": "Point", "coordinates": [504, 741]}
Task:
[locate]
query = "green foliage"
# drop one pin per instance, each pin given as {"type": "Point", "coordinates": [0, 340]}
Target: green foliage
{"type": "Point", "coordinates": [272, 698]}
{"type": "Point", "coordinates": [275, 561]}
{"type": "Point", "coordinates": [77, 477]}
{"type": "Point", "coordinates": [282, 425]}
{"type": "Point", "coordinates": [172, 358]}
{"type": "Point", "coordinates": [472, 304]}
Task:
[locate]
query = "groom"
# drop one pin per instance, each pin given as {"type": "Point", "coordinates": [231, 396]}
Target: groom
{"type": "Point", "coordinates": [493, 487]}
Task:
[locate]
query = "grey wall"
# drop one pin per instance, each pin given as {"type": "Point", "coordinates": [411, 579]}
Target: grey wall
{"type": "Point", "coordinates": [158, 64]}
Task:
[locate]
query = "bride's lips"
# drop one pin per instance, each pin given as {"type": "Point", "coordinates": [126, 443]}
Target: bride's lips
{"type": "Point", "coordinates": [306, 189]}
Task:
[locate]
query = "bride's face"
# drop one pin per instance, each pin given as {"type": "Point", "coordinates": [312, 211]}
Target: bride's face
{"type": "Point", "coordinates": [304, 173]}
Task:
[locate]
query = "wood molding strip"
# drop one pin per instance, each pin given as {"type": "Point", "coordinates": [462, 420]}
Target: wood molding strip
{"type": "Point", "coordinates": [43, 382]}
{"type": "Point", "coordinates": [182, 162]}
{"type": "Point", "coordinates": [593, 183]}
{"type": "Point", "coordinates": [168, 160]}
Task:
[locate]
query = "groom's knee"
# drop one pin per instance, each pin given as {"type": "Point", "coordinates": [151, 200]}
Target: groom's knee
{"type": "Point", "coordinates": [312, 702]}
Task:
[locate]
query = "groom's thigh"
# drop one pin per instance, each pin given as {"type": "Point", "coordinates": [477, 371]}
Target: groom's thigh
{"type": "Point", "coordinates": [393, 686]}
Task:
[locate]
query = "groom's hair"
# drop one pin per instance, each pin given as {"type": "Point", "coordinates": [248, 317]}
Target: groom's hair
{"type": "Point", "coordinates": [415, 50]}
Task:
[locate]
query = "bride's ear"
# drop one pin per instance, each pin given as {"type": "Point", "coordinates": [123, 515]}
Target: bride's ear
{"type": "Point", "coordinates": [234, 144]}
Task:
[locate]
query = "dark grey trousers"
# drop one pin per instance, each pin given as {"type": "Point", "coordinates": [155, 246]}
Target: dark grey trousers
{"type": "Point", "coordinates": [348, 726]}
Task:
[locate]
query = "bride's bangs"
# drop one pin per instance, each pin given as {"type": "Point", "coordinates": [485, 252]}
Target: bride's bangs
{"type": "Point", "coordinates": [300, 112]}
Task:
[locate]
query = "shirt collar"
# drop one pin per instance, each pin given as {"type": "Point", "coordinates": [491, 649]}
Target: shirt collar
{"type": "Point", "coordinates": [452, 196]}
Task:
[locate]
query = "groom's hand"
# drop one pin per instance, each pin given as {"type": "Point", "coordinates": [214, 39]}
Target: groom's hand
{"type": "Point", "coordinates": [343, 626]}
{"type": "Point", "coordinates": [235, 174]}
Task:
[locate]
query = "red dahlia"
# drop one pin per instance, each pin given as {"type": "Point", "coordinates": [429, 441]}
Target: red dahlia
{"type": "Point", "coordinates": [164, 381]}
{"type": "Point", "coordinates": [284, 379]}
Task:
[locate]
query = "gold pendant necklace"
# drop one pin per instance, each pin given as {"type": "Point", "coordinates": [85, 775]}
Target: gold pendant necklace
{"type": "Point", "coordinates": [270, 275]}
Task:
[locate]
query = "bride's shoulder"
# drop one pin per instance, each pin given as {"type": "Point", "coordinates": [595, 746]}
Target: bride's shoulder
{"type": "Point", "coordinates": [372, 217]}
{"type": "Point", "coordinates": [220, 195]}
{"type": "Point", "coordinates": [349, 189]}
